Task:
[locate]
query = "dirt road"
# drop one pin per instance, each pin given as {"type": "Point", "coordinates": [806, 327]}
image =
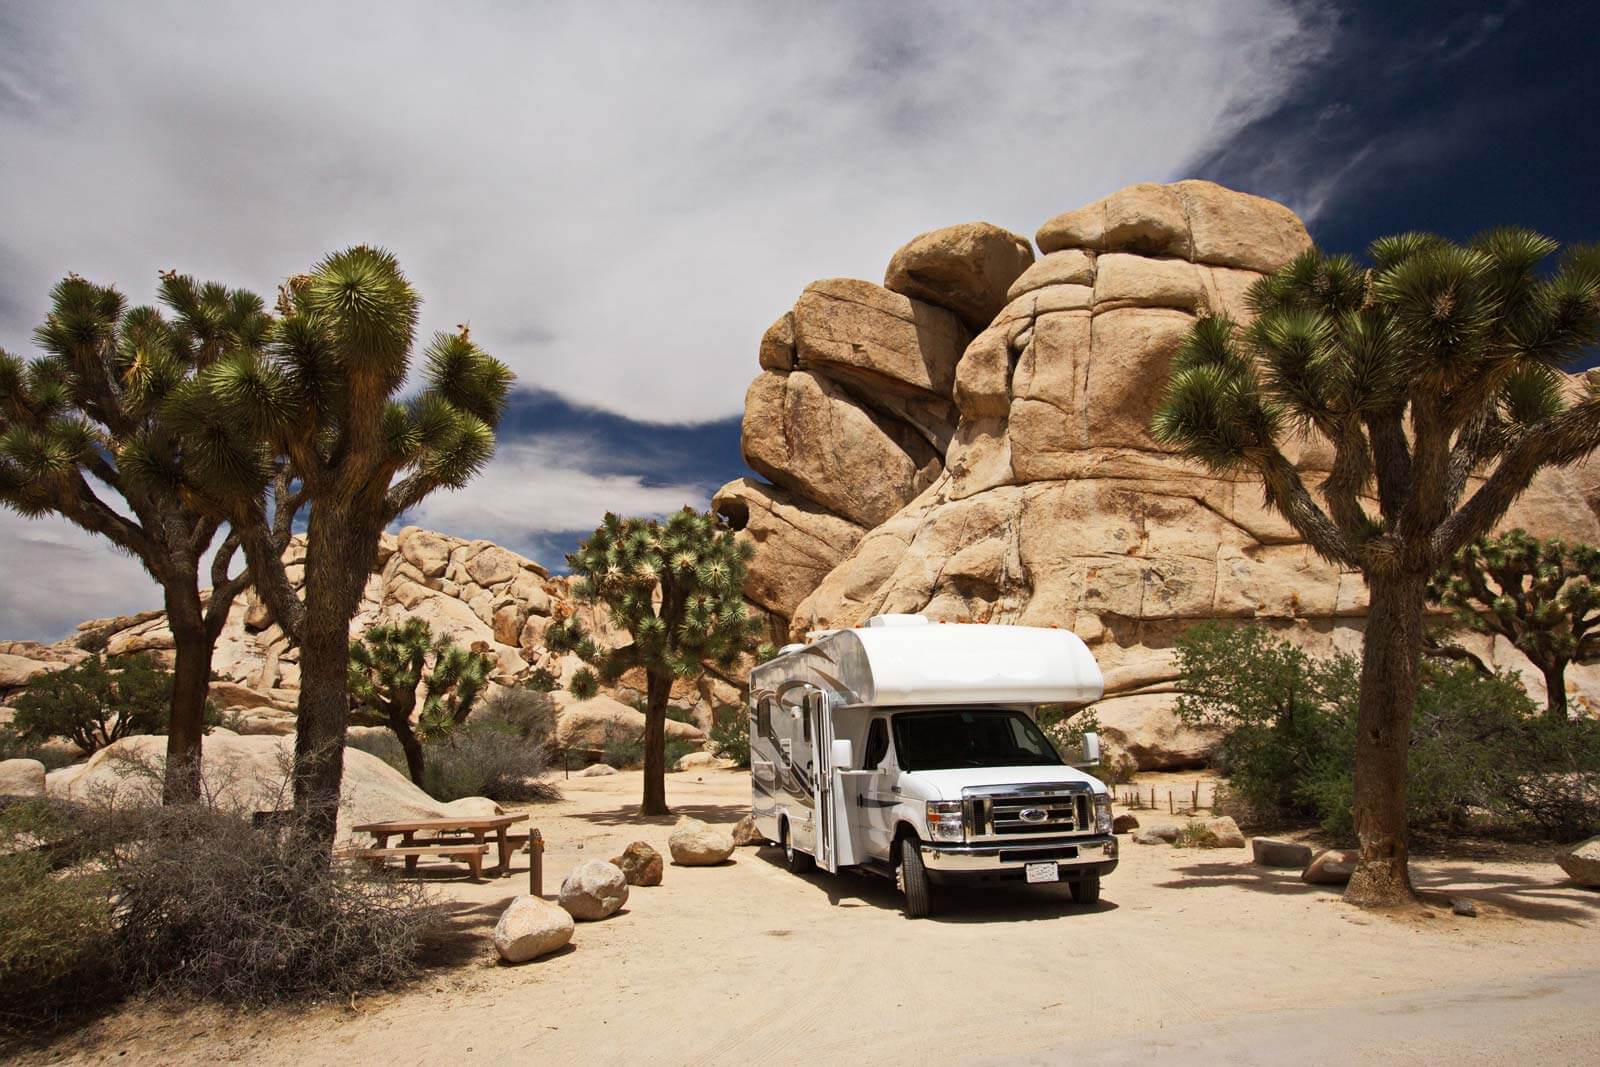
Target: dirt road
{"type": "Point", "coordinates": [1195, 953]}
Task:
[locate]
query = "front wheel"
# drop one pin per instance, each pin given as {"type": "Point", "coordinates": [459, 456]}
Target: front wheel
{"type": "Point", "coordinates": [914, 880]}
{"type": "Point", "coordinates": [1086, 891]}
{"type": "Point", "coordinates": [798, 862]}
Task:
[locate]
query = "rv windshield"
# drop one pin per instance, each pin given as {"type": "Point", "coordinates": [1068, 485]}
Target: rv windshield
{"type": "Point", "coordinates": [970, 737]}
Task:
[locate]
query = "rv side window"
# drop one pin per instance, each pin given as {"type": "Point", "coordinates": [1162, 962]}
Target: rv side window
{"type": "Point", "coordinates": [877, 744]}
{"type": "Point", "coordinates": [805, 718]}
{"type": "Point", "coordinates": [764, 718]}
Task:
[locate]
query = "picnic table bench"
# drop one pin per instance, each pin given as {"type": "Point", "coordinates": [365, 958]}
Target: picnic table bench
{"type": "Point", "coordinates": [461, 838]}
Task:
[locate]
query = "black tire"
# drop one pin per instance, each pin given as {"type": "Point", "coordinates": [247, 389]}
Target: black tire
{"type": "Point", "coordinates": [1086, 891]}
{"type": "Point", "coordinates": [798, 862]}
{"type": "Point", "coordinates": [914, 880]}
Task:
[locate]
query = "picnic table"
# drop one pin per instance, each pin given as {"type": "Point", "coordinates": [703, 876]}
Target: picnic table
{"type": "Point", "coordinates": [457, 837]}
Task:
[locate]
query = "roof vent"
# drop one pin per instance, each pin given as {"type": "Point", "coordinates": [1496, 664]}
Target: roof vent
{"type": "Point", "coordinates": [898, 620]}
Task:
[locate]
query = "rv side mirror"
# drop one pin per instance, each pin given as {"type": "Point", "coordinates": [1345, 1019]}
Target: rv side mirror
{"type": "Point", "coordinates": [1091, 749]}
{"type": "Point", "coordinates": [843, 756]}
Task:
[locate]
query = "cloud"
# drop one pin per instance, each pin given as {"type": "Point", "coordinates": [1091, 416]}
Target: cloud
{"type": "Point", "coordinates": [56, 576]}
{"type": "Point", "coordinates": [548, 486]}
{"type": "Point", "coordinates": [618, 197]}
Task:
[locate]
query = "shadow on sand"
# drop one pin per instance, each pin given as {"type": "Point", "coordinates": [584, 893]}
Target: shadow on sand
{"type": "Point", "coordinates": [1003, 902]}
{"type": "Point", "coordinates": [1546, 900]}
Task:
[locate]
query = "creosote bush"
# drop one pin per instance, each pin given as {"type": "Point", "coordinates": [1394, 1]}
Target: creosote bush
{"type": "Point", "coordinates": [210, 907]}
{"type": "Point", "coordinates": [1288, 722]}
{"type": "Point", "coordinates": [96, 702]}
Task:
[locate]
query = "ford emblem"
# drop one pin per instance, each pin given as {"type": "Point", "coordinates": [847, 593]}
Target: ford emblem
{"type": "Point", "coordinates": [1033, 815]}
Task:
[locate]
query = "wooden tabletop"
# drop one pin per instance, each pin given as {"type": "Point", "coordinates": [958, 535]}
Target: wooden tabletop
{"type": "Point", "coordinates": [481, 822]}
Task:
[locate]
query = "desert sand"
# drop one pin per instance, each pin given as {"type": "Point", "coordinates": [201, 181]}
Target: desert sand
{"type": "Point", "coordinates": [1191, 954]}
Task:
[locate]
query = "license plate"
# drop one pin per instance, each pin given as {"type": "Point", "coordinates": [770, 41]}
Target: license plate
{"type": "Point", "coordinates": [1042, 872]}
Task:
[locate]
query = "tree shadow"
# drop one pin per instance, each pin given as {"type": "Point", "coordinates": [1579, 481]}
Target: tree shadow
{"type": "Point", "coordinates": [1526, 897]}
{"type": "Point", "coordinates": [1000, 902]}
{"type": "Point", "coordinates": [629, 816]}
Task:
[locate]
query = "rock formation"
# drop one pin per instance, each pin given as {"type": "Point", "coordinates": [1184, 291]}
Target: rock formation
{"type": "Point", "coordinates": [1049, 503]}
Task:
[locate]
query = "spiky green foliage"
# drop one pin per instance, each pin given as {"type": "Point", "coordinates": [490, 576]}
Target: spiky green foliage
{"type": "Point", "coordinates": [1434, 362]}
{"type": "Point", "coordinates": [391, 663]}
{"type": "Point", "coordinates": [1541, 595]}
{"type": "Point", "coordinates": [112, 407]}
{"type": "Point", "coordinates": [675, 586]}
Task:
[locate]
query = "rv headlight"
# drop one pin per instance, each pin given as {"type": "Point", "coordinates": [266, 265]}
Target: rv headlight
{"type": "Point", "coordinates": [1102, 813]}
{"type": "Point", "coordinates": [944, 820]}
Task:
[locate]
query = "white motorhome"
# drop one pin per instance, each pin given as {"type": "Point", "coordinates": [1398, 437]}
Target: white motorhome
{"type": "Point", "coordinates": [910, 749]}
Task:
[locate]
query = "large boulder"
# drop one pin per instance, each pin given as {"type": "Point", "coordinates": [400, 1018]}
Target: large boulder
{"type": "Point", "coordinates": [806, 434]}
{"type": "Point", "coordinates": [1582, 863]}
{"type": "Point", "coordinates": [694, 844]}
{"type": "Point", "coordinates": [22, 778]}
{"type": "Point", "coordinates": [797, 542]}
{"type": "Point", "coordinates": [531, 927]}
{"type": "Point", "coordinates": [640, 864]}
{"type": "Point", "coordinates": [1219, 832]}
{"type": "Point", "coordinates": [249, 774]}
{"type": "Point", "coordinates": [594, 890]}
{"type": "Point", "coordinates": [17, 671]}
{"type": "Point", "coordinates": [589, 724]}
{"type": "Point", "coordinates": [967, 268]}
{"type": "Point", "coordinates": [745, 833]}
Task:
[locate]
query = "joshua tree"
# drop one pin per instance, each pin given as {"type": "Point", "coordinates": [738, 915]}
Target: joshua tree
{"type": "Point", "coordinates": [1436, 361]}
{"type": "Point", "coordinates": [322, 397]}
{"type": "Point", "coordinates": [99, 414]}
{"type": "Point", "coordinates": [674, 586]}
{"type": "Point", "coordinates": [391, 662]}
{"type": "Point", "coordinates": [1539, 595]}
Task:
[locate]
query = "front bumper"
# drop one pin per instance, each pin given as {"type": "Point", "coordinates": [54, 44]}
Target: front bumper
{"type": "Point", "coordinates": [1075, 858]}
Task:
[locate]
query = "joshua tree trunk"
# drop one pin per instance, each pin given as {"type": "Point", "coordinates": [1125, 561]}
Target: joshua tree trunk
{"type": "Point", "coordinates": [658, 688]}
{"type": "Point", "coordinates": [1555, 687]}
{"type": "Point", "coordinates": [324, 707]}
{"type": "Point", "coordinates": [191, 685]}
{"type": "Point", "coordinates": [401, 725]}
{"type": "Point", "coordinates": [1391, 655]}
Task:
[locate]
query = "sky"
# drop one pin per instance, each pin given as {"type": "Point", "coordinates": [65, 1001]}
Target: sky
{"type": "Point", "coordinates": [619, 198]}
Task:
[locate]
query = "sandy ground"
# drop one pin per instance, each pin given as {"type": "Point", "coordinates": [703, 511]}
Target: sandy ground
{"type": "Point", "coordinates": [1195, 955]}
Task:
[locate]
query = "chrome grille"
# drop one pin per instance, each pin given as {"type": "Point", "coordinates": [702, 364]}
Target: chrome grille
{"type": "Point", "coordinates": [1027, 811]}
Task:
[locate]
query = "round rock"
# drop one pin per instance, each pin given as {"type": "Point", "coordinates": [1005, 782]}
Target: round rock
{"type": "Point", "coordinates": [594, 890]}
{"type": "Point", "coordinates": [531, 927]}
{"type": "Point", "coordinates": [640, 864]}
{"type": "Point", "coordinates": [694, 844]}
{"type": "Point", "coordinates": [1272, 852]}
{"type": "Point", "coordinates": [21, 778]}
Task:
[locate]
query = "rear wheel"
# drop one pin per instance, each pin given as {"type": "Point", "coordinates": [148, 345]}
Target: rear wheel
{"type": "Point", "coordinates": [798, 862]}
{"type": "Point", "coordinates": [914, 880]}
{"type": "Point", "coordinates": [1086, 891]}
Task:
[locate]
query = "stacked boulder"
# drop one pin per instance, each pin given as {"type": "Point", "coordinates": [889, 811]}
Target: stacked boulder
{"type": "Point", "coordinates": [854, 409]}
{"type": "Point", "coordinates": [1049, 502]}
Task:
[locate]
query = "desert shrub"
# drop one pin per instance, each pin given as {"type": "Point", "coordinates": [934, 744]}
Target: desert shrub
{"type": "Point", "coordinates": [621, 748]}
{"type": "Point", "coordinates": [483, 761]}
{"type": "Point", "coordinates": [477, 759]}
{"type": "Point", "coordinates": [96, 701]}
{"type": "Point", "coordinates": [683, 715]}
{"type": "Point", "coordinates": [1288, 748]}
{"type": "Point", "coordinates": [528, 714]}
{"type": "Point", "coordinates": [730, 734]}
{"type": "Point", "coordinates": [675, 748]}
{"type": "Point", "coordinates": [1195, 835]}
{"type": "Point", "coordinates": [209, 907]}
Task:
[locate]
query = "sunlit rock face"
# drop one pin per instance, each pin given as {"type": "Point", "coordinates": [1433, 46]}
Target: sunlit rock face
{"type": "Point", "coordinates": [1047, 501]}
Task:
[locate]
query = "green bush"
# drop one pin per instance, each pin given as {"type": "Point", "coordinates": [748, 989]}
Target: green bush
{"type": "Point", "coordinates": [621, 749]}
{"type": "Point", "coordinates": [674, 749]}
{"type": "Point", "coordinates": [541, 680]}
{"type": "Point", "coordinates": [730, 734]}
{"type": "Point", "coordinates": [54, 930]}
{"type": "Point", "coordinates": [1288, 747]}
{"type": "Point", "coordinates": [477, 759]}
{"type": "Point", "coordinates": [96, 701]}
{"type": "Point", "coordinates": [1065, 728]}
{"type": "Point", "coordinates": [677, 714]}
{"type": "Point", "coordinates": [527, 714]}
